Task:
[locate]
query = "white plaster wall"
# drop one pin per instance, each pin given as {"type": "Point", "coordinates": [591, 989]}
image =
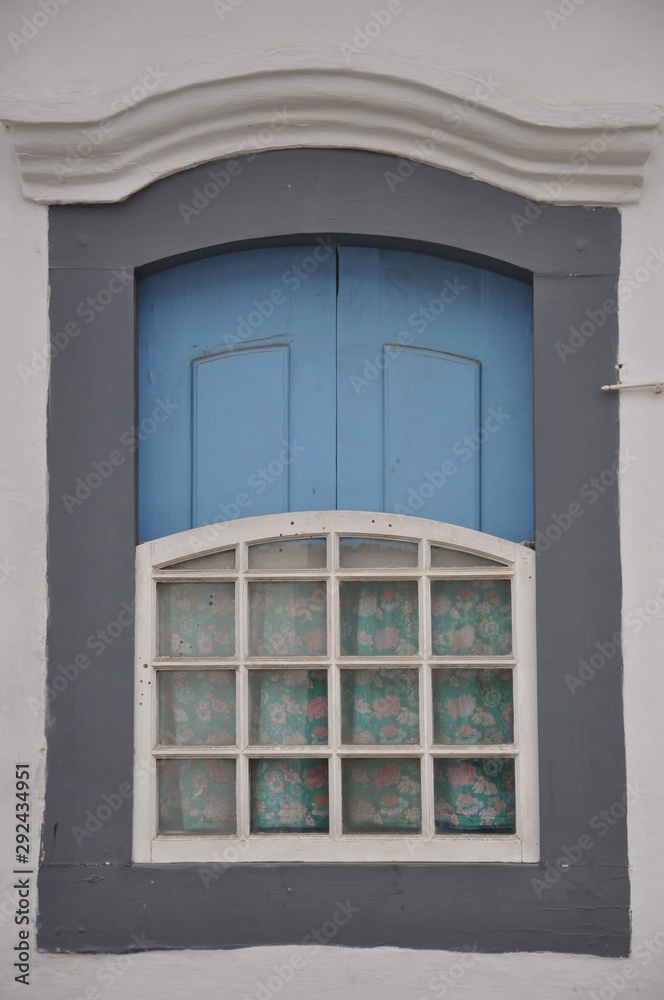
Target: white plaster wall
{"type": "Point", "coordinates": [603, 51]}
{"type": "Point", "coordinates": [93, 45]}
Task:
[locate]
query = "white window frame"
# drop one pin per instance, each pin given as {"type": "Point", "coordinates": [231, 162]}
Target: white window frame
{"type": "Point", "coordinates": [517, 564]}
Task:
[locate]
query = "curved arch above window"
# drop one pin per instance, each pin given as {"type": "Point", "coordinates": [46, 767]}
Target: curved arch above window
{"type": "Point", "coordinates": [336, 686]}
{"type": "Point", "coordinates": [580, 155]}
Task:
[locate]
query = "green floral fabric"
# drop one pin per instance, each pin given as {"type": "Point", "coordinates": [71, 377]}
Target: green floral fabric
{"type": "Point", "coordinates": [382, 796]}
{"type": "Point", "coordinates": [474, 794]}
{"type": "Point", "coordinates": [196, 619]}
{"type": "Point", "coordinates": [288, 619]}
{"type": "Point", "coordinates": [290, 794]}
{"type": "Point", "coordinates": [197, 707]}
{"type": "Point", "coordinates": [288, 707]}
{"type": "Point", "coordinates": [380, 706]}
{"type": "Point", "coordinates": [473, 706]}
{"type": "Point", "coordinates": [197, 796]}
{"type": "Point", "coordinates": [379, 619]}
{"type": "Point", "coordinates": [471, 617]}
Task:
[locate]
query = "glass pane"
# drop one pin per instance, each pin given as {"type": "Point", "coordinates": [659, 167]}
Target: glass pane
{"type": "Point", "coordinates": [373, 553]}
{"type": "Point", "coordinates": [196, 619]}
{"type": "Point", "coordinates": [441, 558]}
{"type": "Point", "coordinates": [288, 707]}
{"type": "Point", "coordinates": [216, 560]}
{"type": "Point", "coordinates": [295, 553]}
{"type": "Point", "coordinates": [196, 796]}
{"type": "Point", "coordinates": [196, 708]}
{"type": "Point", "coordinates": [288, 619]}
{"type": "Point", "coordinates": [381, 796]}
{"type": "Point", "coordinates": [378, 618]}
{"type": "Point", "coordinates": [380, 706]}
{"type": "Point", "coordinates": [289, 795]}
{"type": "Point", "coordinates": [473, 706]}
{"type": "Point", "coordinates": [471, 617]}
{"type": "Point", "coordinates": [474, 795]}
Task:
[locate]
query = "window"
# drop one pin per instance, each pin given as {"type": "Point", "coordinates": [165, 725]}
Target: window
{"type": "Point", "coordinates": [336, 686]}
{"type": "Point", "coordinates": [571, 255]}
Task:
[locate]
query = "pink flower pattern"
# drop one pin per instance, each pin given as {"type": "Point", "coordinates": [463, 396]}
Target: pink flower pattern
{"type": "Point", "coordinates": [471, 617]}
{"type": "Point", "coordinates": [196, 707]}
{"type": "Point", "coordinates": [379, 618]}
{"type": "Point", "coordinates": [475, 794]}
{"type": "Point", "coordinates": [196, 619]}
{"type": "Point", "coordinates": [287, 618]}
{"type": "Point", "coordinates": [288, 707]}
{"type": "Point", "coordinates": [197, 796]}
{"type": "Point", "coordinates": [370, 698]}
{"type": "Point", "coordinates": [382, 797]}
{"type": "Point", "coordinates": [289, 795]}
{"type": "Point", "coordinates": [379, 706]}
{"type": "Point", "coordinates": [473, 706]}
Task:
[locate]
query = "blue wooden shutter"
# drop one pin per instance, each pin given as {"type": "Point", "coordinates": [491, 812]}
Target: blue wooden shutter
{"type": "Point", "coordinates": [402, 383]}
{"type": "Point", "coordinates": [244, 346]}
{"type": "Point", "coordinates": [434, 391]}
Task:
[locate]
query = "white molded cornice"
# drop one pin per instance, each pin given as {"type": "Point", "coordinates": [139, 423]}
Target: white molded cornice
{"type": "Point", "coordinates": [104, 148]}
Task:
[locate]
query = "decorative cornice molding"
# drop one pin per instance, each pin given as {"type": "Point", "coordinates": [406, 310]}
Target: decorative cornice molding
{"type": "Point", "coordinates": [125, 141]}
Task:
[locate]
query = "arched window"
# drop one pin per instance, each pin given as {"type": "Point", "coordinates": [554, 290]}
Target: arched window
{"type": "Point", "coordinates": [336, 686]}
{"type": "Point", "coordinates": [570, 259]}
{"type": "Point", "coordinates": [318, 694]}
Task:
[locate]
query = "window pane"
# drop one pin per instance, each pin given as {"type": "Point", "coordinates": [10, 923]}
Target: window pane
{"type": "Point", "coordinates": [381, 796]}
{"type": "Point", "coordinates": [471, 617]}
{"type": "Point", "coordinates": [473, 706]}
{"type": "Point", "coordinates": [216, 560]}
{"type": "Point", "coordinates": [196, 796]}
{"type": "Point", "coordinates": [380, 706]}
{"type": "Point", "coordinates": [474, 795]}
{"type": "Point", "coordinates": [289, 794]}
{"type": "Point", "coordinates": [196, 619]}
{"type": "Point", "coordinates": [288, 619]}
{"type": "Point", "coordinates": [378, 618]}
{"type": "Point", "coordinates": [298, 553]}
{"type": "Point", "coordinates": [441, 558]}
{"type": "Point", "coordinates": [372, 553]}
{"type": "Point", "coordinates": [196, 707]}
{"type": "Point", "coordinates": [288, 707]}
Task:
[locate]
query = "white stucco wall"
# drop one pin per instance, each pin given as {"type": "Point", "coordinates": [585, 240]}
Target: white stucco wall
{"type": "Point", "coordinates": [604, 51]}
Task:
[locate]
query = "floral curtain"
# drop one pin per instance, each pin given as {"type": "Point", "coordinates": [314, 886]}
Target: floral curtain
{"type": "Point", "coordinates": [288, 707]}
{"type": "Point", "coordinates": [382, 796]}
{"type": "Point", "coordinates": [197, 796]}
{"type": "Point", "coordinates": [471, 617]}
{"type": "Point", "coordinates": [473, 706]}
{"type": "Point", "coordinates": [288, 619]}
{"type": "Point", "coordinates": [196, 619]}
{"type": "Point", "coordinates": [196, 707]}
{"type": "Point", "coordinates": [290, 795]}
{"type": "Point", "coordinates": [380, 706]}
{"type": "Point", "coordinates": [378, 618]}
{"type": "Point", "coordinates": [474, 795]}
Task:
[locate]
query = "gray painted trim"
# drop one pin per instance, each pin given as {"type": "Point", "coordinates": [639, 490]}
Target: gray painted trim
{"type": "Point", "coordinates": [307, 191]}
{"type": "Point", "coordinates": [283, 196]}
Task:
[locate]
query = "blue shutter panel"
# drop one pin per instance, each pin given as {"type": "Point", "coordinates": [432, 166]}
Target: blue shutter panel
{"type": "Point", "coordinates": [241, 405]}
{"type": "Point", "coordinates": [435, 366]}
{"type": "Point", "coordinates": [404, 383]}
{"type": "Point", "coordinates": [245, 350]}
{"type": "Point", "coordinates": [431, 402]}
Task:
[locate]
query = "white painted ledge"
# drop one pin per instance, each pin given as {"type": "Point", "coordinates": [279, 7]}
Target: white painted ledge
{"type": "Point", "coordinates": [184, 117]}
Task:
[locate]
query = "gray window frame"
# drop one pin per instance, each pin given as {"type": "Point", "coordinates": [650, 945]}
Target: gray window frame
{"type": "Point", "coordinates": [91, 897]}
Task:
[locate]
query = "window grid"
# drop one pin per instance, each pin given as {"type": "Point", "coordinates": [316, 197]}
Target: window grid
{"type": "Point", "coordinates": [178, 845]}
